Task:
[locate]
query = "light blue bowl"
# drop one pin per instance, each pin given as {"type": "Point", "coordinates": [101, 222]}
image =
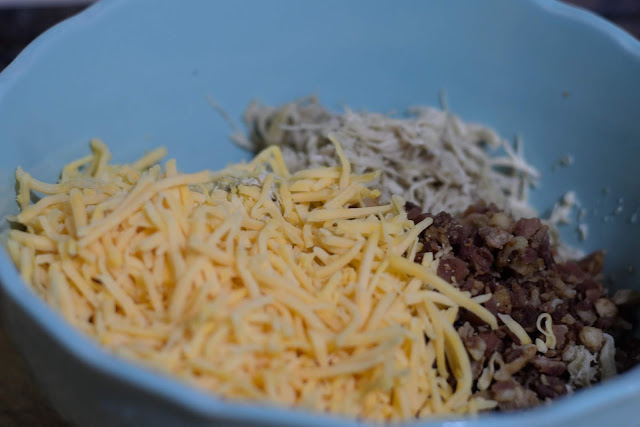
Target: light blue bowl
{"type": "Point", "coordinates": [138, 74]}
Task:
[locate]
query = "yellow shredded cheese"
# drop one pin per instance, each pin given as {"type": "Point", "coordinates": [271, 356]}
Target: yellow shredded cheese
{"type": "Point", "coordinates": [516, 328]}
{"type": "Point", "coordinates": [251, 282]}
{"type": "Point", "coordinates": [547, 331]}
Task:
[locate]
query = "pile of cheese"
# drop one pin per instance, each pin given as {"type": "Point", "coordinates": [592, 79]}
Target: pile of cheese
{"type": "Point", "coordinates": [251, 282]}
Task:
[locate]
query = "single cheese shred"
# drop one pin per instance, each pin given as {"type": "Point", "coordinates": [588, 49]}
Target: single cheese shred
{"type": "Point", "coordinates": [252, 283]}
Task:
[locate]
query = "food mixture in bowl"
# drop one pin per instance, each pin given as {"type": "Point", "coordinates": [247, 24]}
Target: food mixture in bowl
{"type": "Point", "coordinates": [566, 331]}
{"type": "Point", "coordinates": [561, 330]}
{"type": "Point", "coordinates": [294, 280]}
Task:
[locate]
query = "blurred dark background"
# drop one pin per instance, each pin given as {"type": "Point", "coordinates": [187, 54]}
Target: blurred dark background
{"type": "Point", "coordinates": [23, 20]}
{"type": "Point", "coordinates": [623, 13]}
{"type": "Point", "coordinates": [20, 25]}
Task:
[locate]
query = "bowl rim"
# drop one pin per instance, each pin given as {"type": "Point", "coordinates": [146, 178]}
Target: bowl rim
{"type": "Point", "coordinates": [206, 405]}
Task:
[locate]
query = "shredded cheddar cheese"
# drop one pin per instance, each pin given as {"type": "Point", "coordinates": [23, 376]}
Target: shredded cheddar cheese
{"type": "Point", "coordinates": [251, 282]}
{"type": "Point", "coordinates": [516, 328]}
{"type": "Point", "coordinates": [547, 330]}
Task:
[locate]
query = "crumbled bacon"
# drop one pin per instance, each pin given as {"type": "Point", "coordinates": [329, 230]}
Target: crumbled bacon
{"type": "Point", "coordinates": [490, 252]}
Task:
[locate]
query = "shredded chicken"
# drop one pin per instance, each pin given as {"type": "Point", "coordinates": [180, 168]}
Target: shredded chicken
{"type": "Point", "coordinates": [581, 365]}
{"type": "Point", "coordinates": [607, 358]}
{"type": "Point", "coordinates": [431, 156]}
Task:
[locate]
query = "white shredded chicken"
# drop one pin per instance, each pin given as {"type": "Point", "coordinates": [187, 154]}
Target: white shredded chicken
{"type": "Point", "coordinates": [430, 157]}
{"type": "Point", "coordinates": [607, 358]}
{"type": "Point", "coordinates": [582, 365]}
